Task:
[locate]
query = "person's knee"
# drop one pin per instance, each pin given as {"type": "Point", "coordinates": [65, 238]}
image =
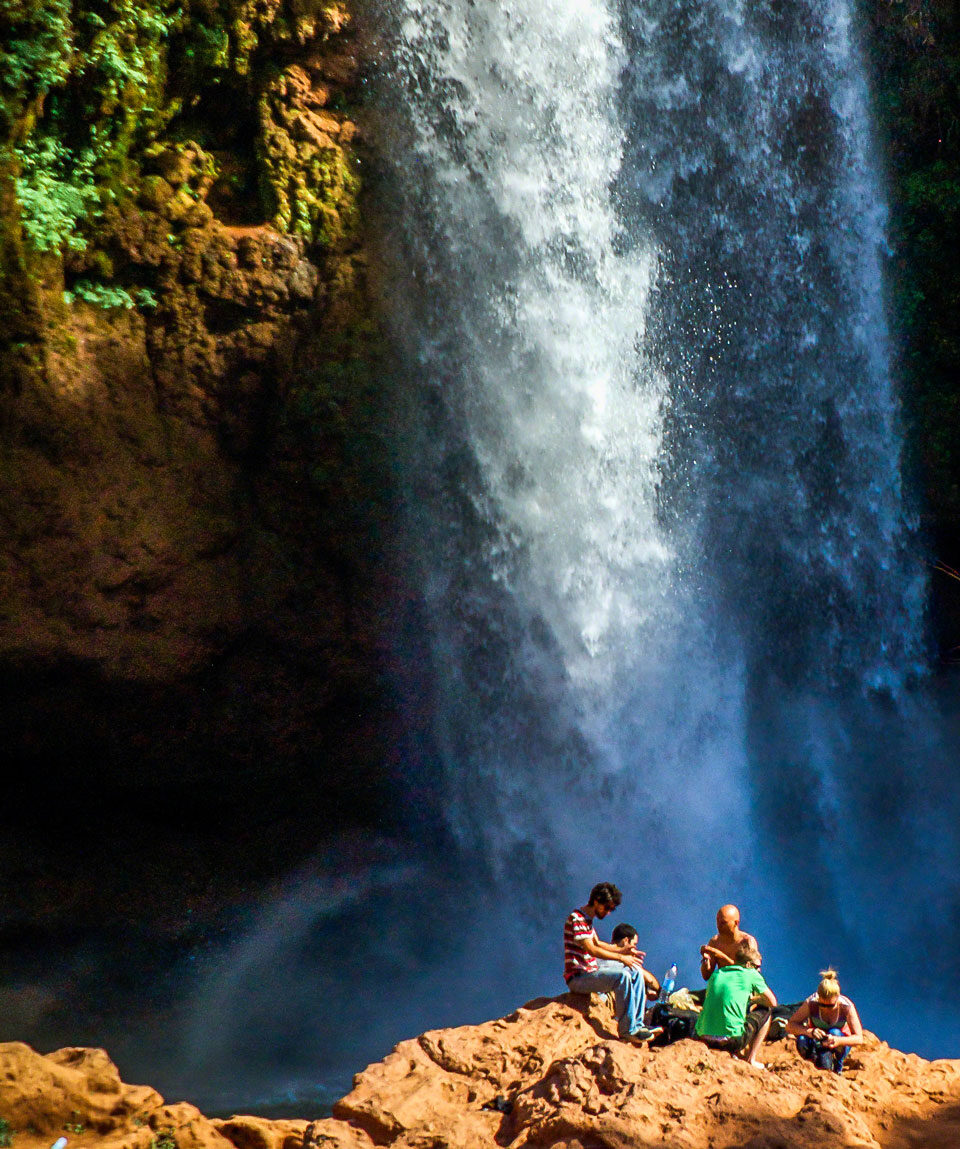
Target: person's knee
{"type": "Point", "coordinates": [625, 978]}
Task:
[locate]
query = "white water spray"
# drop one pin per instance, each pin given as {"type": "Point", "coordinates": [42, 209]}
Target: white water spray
{"type": "Point", "coordinates": [658, 471]}
{"type": "Point", "coordinates": [633, 264]}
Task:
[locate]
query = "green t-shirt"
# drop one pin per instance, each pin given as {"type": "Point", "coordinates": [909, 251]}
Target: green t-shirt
{"type": "Point", "coordinates": [728, 995]}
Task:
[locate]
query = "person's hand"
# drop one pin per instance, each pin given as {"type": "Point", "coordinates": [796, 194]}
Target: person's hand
{"type": "Point", "coordinates": [640, 955]}
{"type": "Point", "coordinates": [631, 961]}
{"type": "Point", "coordinates": [828, 1041]}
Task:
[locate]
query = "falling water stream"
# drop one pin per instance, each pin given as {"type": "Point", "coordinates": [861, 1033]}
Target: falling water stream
{"type": "Point", "coordinates": [633, 265]}
{"type": "Point", "coordinates": [673, 588]}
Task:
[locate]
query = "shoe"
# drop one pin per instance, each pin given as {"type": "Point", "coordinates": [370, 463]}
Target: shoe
{"type": "Point", "coordinates": [642, 1035]}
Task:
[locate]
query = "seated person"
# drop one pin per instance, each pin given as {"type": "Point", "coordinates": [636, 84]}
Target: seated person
{"type": "Point", "coordinates": [626, 937]}
{"type": "Point", "coordinates": [721, 949]}
{"type": "Point", "coordinates": [732, 988]}
{"type": "Point", "coordinates": [826, 1025]}
{"type": "Point", "coordinates": [593, 966]}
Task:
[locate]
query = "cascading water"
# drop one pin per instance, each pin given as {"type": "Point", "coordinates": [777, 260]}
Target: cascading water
{"type": "Point", "coordinates": [632, 260]}
{"type": "Point", "coordinates": [657, 454]}
{"type": "Point", "coordinates": [562, 623]}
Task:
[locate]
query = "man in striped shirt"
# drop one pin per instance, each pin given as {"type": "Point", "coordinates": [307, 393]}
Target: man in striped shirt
{"type": "Point", "coordinates": [593, 966]}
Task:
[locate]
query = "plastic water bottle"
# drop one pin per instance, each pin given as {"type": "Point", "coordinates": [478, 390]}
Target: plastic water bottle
{"type": "Point", "coordinates": [60, 1143]}
{"type": "Point", "coordinates": [669, 982]}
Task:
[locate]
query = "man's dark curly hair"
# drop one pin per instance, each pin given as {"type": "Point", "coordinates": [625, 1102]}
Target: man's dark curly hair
{"type": "Point", "coordinates": [607, 894]}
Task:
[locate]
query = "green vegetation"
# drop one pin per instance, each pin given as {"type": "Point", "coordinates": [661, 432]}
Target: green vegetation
{"type": "Point", "coordinates": [6, 1134]}
{"type": "Point", "coordinates": [916, 57]}
{"type": "Point", "coordinates": [78, 87]}
{"type": "Point", "coordinates": [90, 90]}
{"type": "Point", "coordinates": [56, 192]}
{"type": "Point", "coordinates": [36, 43]}
{"type": "Point", "coordinates": [108, 295]}
{"type": "Point", "coordinates": [164, 1140]}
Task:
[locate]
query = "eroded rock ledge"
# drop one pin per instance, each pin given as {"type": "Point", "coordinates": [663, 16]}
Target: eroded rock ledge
{"type": "Point", "coordinates": [194, 479]}
{"type": "Point", "coordinates": [550, 1074]}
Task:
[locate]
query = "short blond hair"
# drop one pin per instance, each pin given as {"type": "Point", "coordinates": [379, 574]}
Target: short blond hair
{"type": "Point", "coordinates": [747, 954]}
{"type": "Point", "coordinates": [829, 987]}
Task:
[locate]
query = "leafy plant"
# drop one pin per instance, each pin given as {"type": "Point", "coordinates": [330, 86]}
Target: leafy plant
{"type": "Point", "coordinates": [108, 295]}
{"type": "Point", "coordinates": [35, 50]}
{"type": "Point", "coordinates": [164, 1140]}
{"type": "Point", "coordinates": [56, 191]}
{"type": "Point", "coordinates": [6, 1134]}
{"type": "Point", "coordinates": [100, 294]}
{"type": "Point", "coordinates": [125, 50]}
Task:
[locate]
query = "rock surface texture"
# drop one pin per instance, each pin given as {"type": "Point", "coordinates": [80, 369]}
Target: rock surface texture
{"type": "Point", "coordinates": [195, 501]}
{"type": "Point", "coordinates": [150, 402]}
{"type": "Point", "coordinates": [551, 1074]}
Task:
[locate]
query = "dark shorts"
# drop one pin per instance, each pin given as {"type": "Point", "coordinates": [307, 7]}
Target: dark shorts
{"type": "Point", "coordinates": [731, 1044]}
{"type": "Point", "coordinates": [754, 1020]}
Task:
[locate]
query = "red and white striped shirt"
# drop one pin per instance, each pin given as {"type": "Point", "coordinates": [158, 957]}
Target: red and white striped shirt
{"type": "Point", "coordinates": [575, 959]}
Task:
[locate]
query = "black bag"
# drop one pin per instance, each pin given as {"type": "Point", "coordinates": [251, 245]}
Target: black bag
{"type": "Point", "coordinates": [676, 1023]}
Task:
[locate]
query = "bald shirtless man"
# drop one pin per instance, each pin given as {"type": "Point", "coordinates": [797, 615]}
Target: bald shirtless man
{"type": "Point", "coordinates": [722, 948]}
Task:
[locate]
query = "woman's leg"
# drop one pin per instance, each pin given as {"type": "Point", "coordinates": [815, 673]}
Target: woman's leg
{"type": "Point", "coordinates": [840, 1054]}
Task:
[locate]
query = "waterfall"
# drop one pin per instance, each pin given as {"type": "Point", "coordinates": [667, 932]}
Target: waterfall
{"type": "Point", "coordinates": [634, 264]}
{"type": "Point", "coordinates": [667, 622]}
{"type": "Point", "coordinates": [750, 160]}
{"type": "Point", "coordinates": [553, 578]}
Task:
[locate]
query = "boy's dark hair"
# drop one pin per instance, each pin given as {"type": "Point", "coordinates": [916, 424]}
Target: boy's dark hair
{"type": "Point", "coordinates": [623, 930]}
{"type": "Point", "coordinates": [607, 894]}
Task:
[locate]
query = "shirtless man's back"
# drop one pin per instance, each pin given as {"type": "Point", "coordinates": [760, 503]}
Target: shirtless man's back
{"type": "Point", "coordinates": [721, 949]}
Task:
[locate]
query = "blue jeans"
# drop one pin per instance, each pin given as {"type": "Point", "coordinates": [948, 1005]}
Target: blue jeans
{"type": "Point", "coordinates": [810, 1049]}
{"type": "Point", "coordinates": [628, 988]}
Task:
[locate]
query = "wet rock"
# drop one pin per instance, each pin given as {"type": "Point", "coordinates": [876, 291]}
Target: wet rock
{"type": "Point", "coordinates": [155, 193]}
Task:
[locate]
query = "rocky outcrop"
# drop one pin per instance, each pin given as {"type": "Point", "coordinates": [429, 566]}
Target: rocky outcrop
{"type": "Point", "coordinates": [152, 390]}
{"type": "Point", "coordinates": [554, 1074]}
{"type": "Point", "coordinates": [551, 1074]}
{"type": "Point", "coordinates": [195, 493]}
{"type": "Point", "coordinates": [78, 1094]}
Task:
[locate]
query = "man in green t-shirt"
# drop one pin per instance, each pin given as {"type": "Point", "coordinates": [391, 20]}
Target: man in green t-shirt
{"type": "Point", "coordinates": [730, 992]}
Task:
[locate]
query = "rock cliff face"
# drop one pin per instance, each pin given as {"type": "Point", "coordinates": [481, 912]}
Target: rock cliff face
{"type": "Point", "coordinates": [194, 487]}
{"type": "Point", "coordinates": [551, 1074]}
{"type": "Point", "coordinates": [163, 299]}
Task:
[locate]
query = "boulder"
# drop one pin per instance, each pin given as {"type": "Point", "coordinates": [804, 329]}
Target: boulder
{"type": "Point", "coordinates": [553, 1074]}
